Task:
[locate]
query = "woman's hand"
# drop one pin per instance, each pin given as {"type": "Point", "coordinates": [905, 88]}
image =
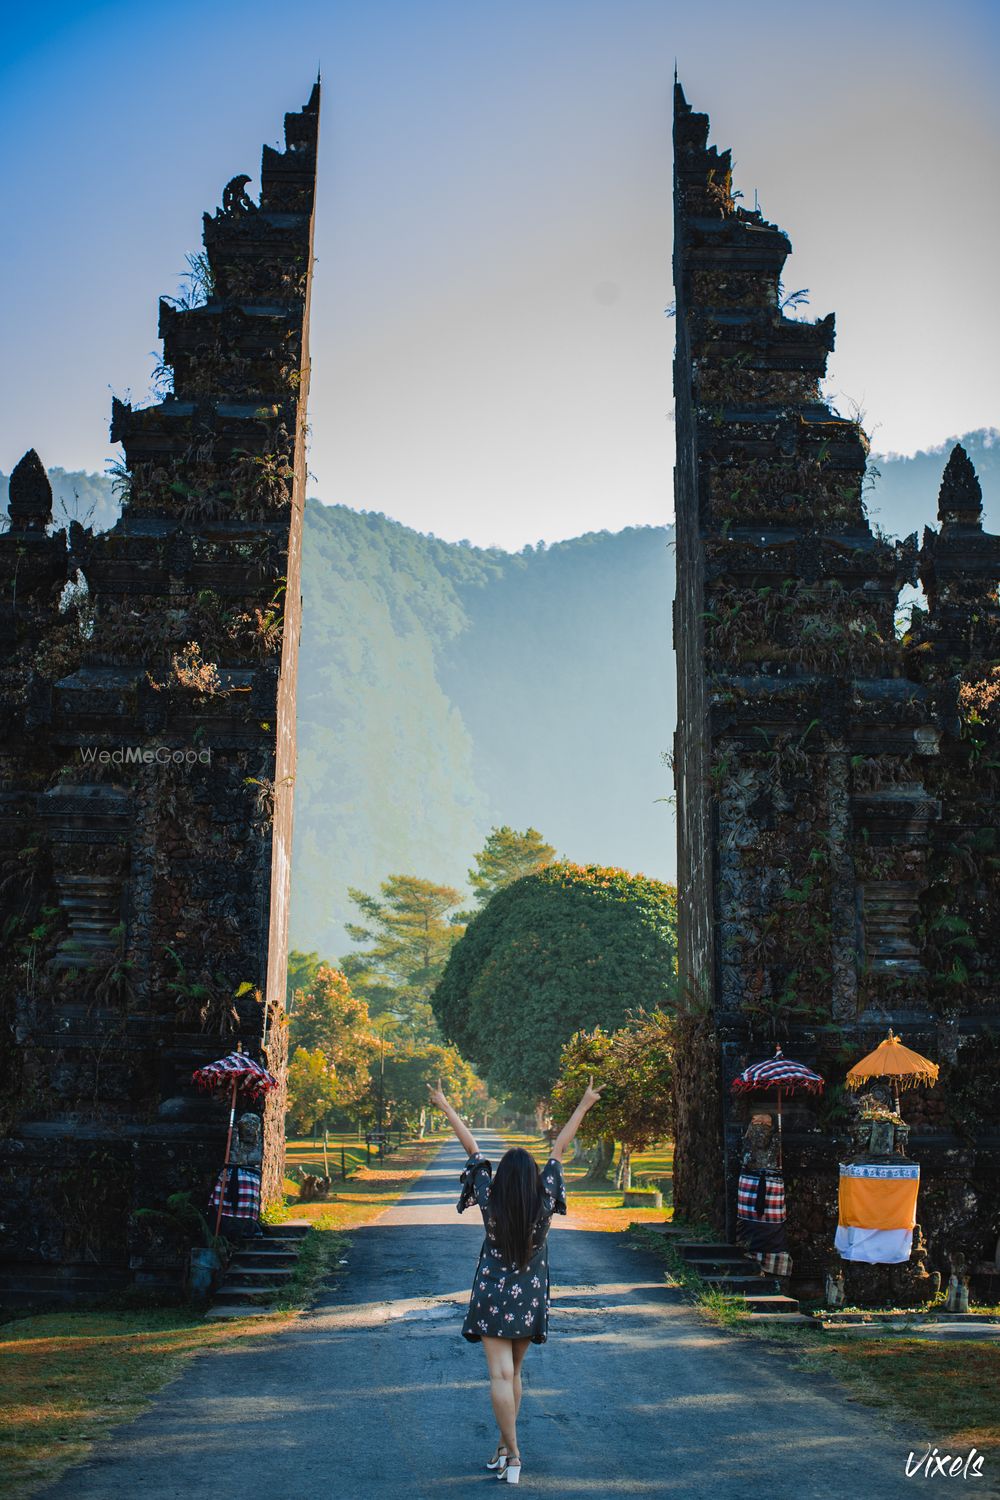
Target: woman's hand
{"type": "Point", "coordinates": [568, 1132]}
{"type": "Point", "coordinates": [437, 1095]}
{"type": "Point", "coordinates": [590, 1094]}
{"type": "Point", "coordinates": [465, 1137]}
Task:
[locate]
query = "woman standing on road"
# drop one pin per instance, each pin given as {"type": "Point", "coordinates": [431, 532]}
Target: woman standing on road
{"type": "Point", "coordinates": [509, 1306]}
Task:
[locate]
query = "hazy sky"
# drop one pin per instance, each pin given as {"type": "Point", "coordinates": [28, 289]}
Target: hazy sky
{"type": "Point", "coordinates": [491, 356]}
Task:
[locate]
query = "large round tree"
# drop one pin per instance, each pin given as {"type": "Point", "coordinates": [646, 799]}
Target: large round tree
{"type": "Point", "coordinates": [565, 950]}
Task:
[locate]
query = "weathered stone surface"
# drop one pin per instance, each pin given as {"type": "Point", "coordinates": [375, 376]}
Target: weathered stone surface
{"type": "Point", "coordinates": [836, 800]}
{"type": "Point", "coordinates": [148, 765]}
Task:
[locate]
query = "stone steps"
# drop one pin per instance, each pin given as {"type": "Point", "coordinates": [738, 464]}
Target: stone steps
{"type": "Point", "coordinates": [727, 1268]}
{"type": "Point", "coordinates": [261, 1268]}
{"type": "Point", "coordinates": [719, 1263]}
{"type": "Point", "coordinates": [255, 1278]}
{"type": "Point", "coordinates": [741, 1286]}
{"type": "Point", "coordinates": [692, 1249]}
{"type": "Point", "coordinates": [220, 1312]}
{"type": "Point", "coordinates": [771, 1303]}
{"type": "Point", "coordinates": [945, 1331]}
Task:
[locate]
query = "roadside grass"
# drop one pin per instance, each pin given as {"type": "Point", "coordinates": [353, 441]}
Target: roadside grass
{"type": "Point", "coordinates": [952, 1388]}
{"type": "Point", "coordinates": [598, 1205]}
{"type": "Point", "coordinates": [372, 1189]}
{"type": "Point", "coordinates": [721, 1307]}
{"type": "Point", "coordinates": [307, 1154]}
{"type": "Point", "coordinates": [949, 1389]}
{"type": "Point", "coordinates": [68, 1377]}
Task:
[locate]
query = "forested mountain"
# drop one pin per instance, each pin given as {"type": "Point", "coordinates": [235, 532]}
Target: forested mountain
{"type": "Point", "coordinates": [445, 687]}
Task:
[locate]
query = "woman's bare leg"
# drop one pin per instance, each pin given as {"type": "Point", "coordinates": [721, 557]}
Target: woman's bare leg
{"type": "Point", "coordinates": [500, 1360]}
{"type": "Point", "coordinates": [519, 1350]}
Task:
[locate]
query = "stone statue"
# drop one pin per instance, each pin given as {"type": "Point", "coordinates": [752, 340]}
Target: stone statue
{"type": "Point", "coordinates": [760, 1144]}
{"type": "Point", "coordinates": [957, 1300]}
{"type": "Point", "coordinates": [835, 1296]}
{"type": "Point", "coordinates": [235, 199]}
{"type": "Point", "coordinates": [248, 1145]}
{"type": "Point", "coordinates": [878, 1131]}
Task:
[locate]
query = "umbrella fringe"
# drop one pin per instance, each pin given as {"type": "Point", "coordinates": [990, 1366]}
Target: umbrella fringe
{"type": "Point", "coordinates": [749, 1086]}
{"type": "Point", "coordinates": [900, 1081]}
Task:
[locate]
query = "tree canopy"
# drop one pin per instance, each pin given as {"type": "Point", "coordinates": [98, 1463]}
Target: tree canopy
{"type": "Point", "coordinates": [633, 1067]}
{"type": "Point", "coordinates": [410, 1067]}
{"type": "Point", "coordinates": [312, 1090]}
{"type": "Point", "coordinates": [410, 935]}
{"type": "Point", "coordinates": [326, 1017]}
{"type": "Point", "coordinates": [301, 972]}
{"type": "Point", "coordinates": [561, 951]}
{"type": "Point", "coordinates": [505, 857]}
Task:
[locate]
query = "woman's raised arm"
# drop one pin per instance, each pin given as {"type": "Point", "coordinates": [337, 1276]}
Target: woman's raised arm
{"type": "Point", "coordinates": [568, 1132]}
{"type": "Point", "coordinates": [465, 1137]}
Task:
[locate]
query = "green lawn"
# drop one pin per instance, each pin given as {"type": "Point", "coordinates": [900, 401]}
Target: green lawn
{"type": "Point", "coordinates": [308, 1154]}
{"type": "Point", "coordinates": [599, 1206]}
{"type": "Point", "coordinates": [67, 1377]}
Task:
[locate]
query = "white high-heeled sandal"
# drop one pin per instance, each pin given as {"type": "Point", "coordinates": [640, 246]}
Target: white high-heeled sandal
{"type": "Point", "coordinates": [498, 1457]}
{"type": "Point", "coordinates": [510, 1470]}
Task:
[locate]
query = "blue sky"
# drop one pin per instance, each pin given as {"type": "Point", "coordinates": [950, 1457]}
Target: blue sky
{"type": "Point", "coordinates": [491, 358]}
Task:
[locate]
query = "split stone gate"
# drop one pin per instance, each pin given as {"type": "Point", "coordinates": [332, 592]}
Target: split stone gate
{"type": "Point", "coordinates": [837, 781]}
{"type": "Point", "coordinates": [837, 775]}
{"type": "Point", "coordinates": [147, 766]}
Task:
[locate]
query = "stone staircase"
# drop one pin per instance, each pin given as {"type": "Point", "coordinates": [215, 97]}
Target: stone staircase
{"type": "Point", "coordinates": [259, 1271]}
{"type": "Point", "coordinates": [729, 1269]}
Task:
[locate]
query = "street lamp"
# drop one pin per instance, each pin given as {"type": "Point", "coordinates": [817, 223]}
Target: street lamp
{"type": "Point", "coordinates": [381, 1091]}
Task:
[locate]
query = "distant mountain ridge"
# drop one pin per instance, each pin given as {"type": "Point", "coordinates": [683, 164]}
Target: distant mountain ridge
{"type": "Point", "coordinates": [904, 496]}
{"type": "Point", "coordinates": [445, 687]}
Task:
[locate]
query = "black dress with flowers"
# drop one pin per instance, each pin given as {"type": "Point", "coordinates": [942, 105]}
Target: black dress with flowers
{"type": "Point", "coordinates": [508, 1303]}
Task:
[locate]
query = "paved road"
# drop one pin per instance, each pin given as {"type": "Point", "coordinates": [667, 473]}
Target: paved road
{"type": "Point", "coordinates": [375, 1395]}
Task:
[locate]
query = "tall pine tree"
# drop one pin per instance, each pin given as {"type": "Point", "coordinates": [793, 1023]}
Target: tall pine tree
{"type": "Point", "coordinates": [505, 857]}
{"type": "Point", "coordinates": [410, 931]}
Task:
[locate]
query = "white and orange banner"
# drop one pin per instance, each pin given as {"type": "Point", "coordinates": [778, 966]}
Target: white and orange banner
{"type": "Point", "coordinates": [878, 1211]}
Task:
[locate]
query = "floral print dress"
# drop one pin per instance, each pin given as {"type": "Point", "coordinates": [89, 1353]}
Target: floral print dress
{"type": "Point", "coordinates": [508, 1303]}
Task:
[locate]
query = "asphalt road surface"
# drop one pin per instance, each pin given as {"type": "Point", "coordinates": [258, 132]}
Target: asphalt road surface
{"type": "Point", "coordinates": [374, 1393]}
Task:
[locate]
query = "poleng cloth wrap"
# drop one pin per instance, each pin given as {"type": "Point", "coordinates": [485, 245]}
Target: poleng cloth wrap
{"type": "Point", "coordinates": [760, 1211]}
{"type": "Point", "coordinates": [242, 1200]}
{"type": "Point", "coordinates": [878, 1211]}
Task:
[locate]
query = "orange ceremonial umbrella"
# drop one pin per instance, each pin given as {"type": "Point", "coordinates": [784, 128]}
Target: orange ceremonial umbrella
{"type": "Point", "coordinates": [892, 1060]}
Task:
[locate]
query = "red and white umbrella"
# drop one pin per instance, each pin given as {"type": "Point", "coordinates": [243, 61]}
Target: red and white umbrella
{"type": "Point", "coordinates": [781, 1073]}
{"type": "Point", "coordinates": [233, 1074]}
{"type": "Point", "coordinates": [250, 1078]}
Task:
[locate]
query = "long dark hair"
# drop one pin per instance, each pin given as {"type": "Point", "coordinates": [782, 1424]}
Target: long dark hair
{"type": "Point", "coordinates": [515, 1198]}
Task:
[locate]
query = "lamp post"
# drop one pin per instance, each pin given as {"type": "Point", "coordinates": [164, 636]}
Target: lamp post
{"type": "Point", "coordinates": [381, 1091]}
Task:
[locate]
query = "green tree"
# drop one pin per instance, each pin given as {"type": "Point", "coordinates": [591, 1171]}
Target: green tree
{"type": "Point", "coordinates": [301, 972]}
{"type": "Point", "coordinates": [327, 1017]}
{"type": "Point", "coordinates": [411, 1066]}
{"type": "Point", "coordinates": [505, 857]}
{"type": "Point", "coordinates": [634, 1068]}
{"type": "Point", "coordinates": [564, 950]}
{"type": "Point", "coordinates": [410, 935]}
{"type": "Point", "coordinates": [312, 1090]}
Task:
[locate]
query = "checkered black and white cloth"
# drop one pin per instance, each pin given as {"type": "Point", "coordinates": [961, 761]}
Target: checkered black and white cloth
{"type": "Point", "coordinates": [761, 1197]}
{"type": "Point", "coordinates": [242, 1199]}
